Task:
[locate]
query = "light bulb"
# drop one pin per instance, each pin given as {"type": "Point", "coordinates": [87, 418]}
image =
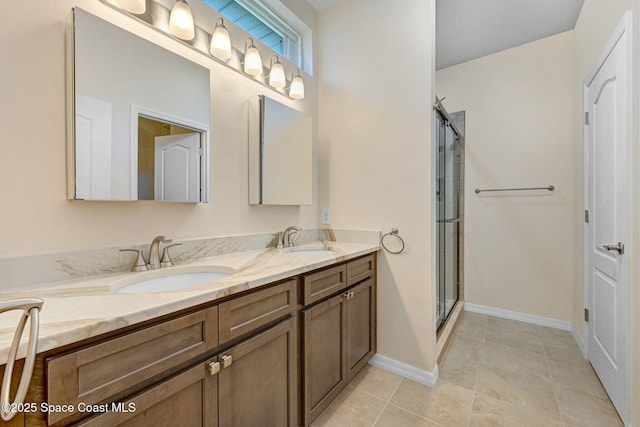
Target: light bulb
{"type": "Point", "coordinates": [296, 90]}
{"type": "Point", "coordinates": [181, 21]}
{"type": "Point", "coordinates": [277, 78]}
{"type": "Point", "coordinates": [252, 60]}
{"type": "Point", "coordinates": [221, 42]}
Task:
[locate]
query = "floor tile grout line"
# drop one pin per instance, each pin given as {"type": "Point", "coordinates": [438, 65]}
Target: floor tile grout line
{"type": "Point", "coordinates": [475, 388]}
{"type": "Point", "coordinates": [387, 403]}
{"type": "Point", "coordinates": [553, 384]}
{"type": "Point", "coordinates": [422, 417]}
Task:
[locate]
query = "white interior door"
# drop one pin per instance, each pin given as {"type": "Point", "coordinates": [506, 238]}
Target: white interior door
{"type": "Point", "coordinates": [177, 168]}
{"type": "Point", "coordinates": [607, 135]}
{"type": "Point", "coordinates": [93, 148]}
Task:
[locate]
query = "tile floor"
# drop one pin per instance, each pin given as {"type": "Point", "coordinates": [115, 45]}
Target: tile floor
{"type": "Point", "coordinates": [496, 372]}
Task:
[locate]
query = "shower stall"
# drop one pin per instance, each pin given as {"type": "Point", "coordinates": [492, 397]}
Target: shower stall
{"type": "Point", "coordinates": [449, 141]}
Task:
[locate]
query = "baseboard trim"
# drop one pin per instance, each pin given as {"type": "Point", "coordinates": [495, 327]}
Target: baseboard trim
{"type": "Point", "coordinates": [579, 341]}
{"type": "Point", "coordinates": [407, 371]}
{"type": "Point", "coordinates": [515, 315]}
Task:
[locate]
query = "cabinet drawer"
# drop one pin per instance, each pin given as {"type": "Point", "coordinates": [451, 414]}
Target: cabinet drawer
{"type": "Point", "coordinates": [182, 400]}
{"type": "Point", "coordinates": [360, 269]}
{"type": "Point", "coordinates": [242, 315]}
{"type": "Point", "coordinates": [324, 283]}
{"type": "Point", "coordinates": [96, 373]}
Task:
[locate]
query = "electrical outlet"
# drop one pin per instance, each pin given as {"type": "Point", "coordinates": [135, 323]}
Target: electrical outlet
{"type": "Point", "coordinates": [326, 216]}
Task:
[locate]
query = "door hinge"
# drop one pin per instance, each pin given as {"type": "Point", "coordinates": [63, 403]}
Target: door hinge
{"type": "Point", "coordinates": [586, 314]}
{"type": "Point", "coordinates": [200, 151]}
{"type": "Point", "coordinates": [586, 216]}
{"type": "Point", "coordinates": [586, 117]}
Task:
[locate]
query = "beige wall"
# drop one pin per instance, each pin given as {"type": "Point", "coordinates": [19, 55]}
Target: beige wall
{"type": "Point", "coordinates": [518, 246]}
{"type": "Point", "coordinates": [595, 25]}
{"type": "Point", "coordinates": [375, 92]}
{"type": "Point", "coordinates": [34, 211]}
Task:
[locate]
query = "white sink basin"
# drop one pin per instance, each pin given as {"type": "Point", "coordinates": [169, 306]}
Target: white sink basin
{"type": "Point", "coordinates": [312, 252]}
{"type": "Point", "coordinates": [169, 282]}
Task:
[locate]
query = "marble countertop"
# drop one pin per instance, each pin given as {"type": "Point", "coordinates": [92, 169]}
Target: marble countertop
{"type": "Point", "coordinates": [78, 309]}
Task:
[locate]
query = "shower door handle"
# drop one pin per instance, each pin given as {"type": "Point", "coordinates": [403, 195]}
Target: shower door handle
{"type": "Point", "coordinates": [449, 220]}
{"type": "Point", "coordinates": [618, 248]}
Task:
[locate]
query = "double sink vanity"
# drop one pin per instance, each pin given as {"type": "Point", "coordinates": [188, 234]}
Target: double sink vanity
{"type": "Point", "coordinates": [263, 337]}
{"type": "Point", "coordinates": [240, 331]}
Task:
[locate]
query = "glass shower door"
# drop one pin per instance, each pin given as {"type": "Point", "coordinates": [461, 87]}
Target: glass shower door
{"type": "Point", "coordinates": [448, 218]}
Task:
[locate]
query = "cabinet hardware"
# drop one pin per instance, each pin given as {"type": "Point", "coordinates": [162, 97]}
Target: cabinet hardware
{"type": "Point", "coordinates": [214, 368]}
{"type": "Point", "coordinates": [226, 360]}
{"type": "Point", "coordinates": [345, 295]}
{"type": "Point", "coordinates": [352, 294]}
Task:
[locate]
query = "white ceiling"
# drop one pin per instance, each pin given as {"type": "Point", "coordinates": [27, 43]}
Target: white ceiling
{"type": "Point", "coordinates": [469, 29]}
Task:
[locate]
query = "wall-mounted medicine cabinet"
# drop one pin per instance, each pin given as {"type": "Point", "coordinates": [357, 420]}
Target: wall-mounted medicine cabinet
{"type": "Point", "coordinates": [280, 154]}
{"type": "Point", "coordinates": [138, 117]}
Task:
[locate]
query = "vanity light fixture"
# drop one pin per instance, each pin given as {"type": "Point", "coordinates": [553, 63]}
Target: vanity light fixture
{"type": "Point", "coordinates": [296, 90]}
{"type": "Point", "coordinates": [252, 59]}
{"type": "Point", "coordinates": [277, 79]}
{"type": "Point", "coordinates": [221, 41]}
{"type": "Point", "coordinates": [181, 22]}
{"type": "Point", "coordinates": [182, 26]}
{"type": "Point", "coordinates": [133, 6]}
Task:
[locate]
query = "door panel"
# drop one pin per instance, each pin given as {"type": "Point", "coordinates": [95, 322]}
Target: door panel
{"type": "Point", "coordinates": [177, 168]}
{"type": "Point", "coordinates": [607, 197]}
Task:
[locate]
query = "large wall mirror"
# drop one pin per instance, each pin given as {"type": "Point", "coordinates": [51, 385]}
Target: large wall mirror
{"type": "Point", "coordinates": [138, 117]}
{"type": "Point", "coordinates": [280, 154]}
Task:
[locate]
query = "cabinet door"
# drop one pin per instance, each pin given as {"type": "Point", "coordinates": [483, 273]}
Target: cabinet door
{"type": "Point", "coordinates": [258, 380]}
{"type": "Point", "coordinates": [324, 355]}
{"type": "Point", "coordinates": [187, 399]}
{"type": "Point", "coordinates": [361, 326]}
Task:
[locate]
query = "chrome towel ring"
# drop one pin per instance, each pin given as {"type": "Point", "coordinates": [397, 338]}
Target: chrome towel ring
{"type": "Point", "coordinates": [31, 308]}
{"type": "Point", "coordinates": [393, 232]}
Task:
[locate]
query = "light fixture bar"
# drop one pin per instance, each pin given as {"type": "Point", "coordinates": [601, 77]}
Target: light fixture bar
{"type": "Point", "coordinates": [237, 58]}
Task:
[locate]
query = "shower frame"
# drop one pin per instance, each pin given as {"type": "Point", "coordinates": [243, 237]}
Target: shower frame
{"type": "Point", "coordinates": [443, 120]}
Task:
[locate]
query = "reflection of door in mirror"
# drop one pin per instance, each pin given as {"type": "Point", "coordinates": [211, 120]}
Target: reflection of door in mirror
{"type": "Point", "coordinates": [93, 154]}
{"type": "Point", "coordinates": [169, 162]}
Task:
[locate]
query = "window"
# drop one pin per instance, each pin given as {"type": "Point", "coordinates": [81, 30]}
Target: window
{"type": "Point", "coordinates": [263, 24]}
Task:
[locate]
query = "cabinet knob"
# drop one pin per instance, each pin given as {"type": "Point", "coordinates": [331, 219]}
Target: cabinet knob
{"type": "Point", "coordinates": [345, 295]}
{"type": "Point", "coordinates": [227, 360]}
{"type": "Point", "coordinates": [214, 368]}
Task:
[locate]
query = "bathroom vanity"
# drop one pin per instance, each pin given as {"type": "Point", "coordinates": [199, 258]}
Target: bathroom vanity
{"type": "Point", "coordinates": [273, 350]}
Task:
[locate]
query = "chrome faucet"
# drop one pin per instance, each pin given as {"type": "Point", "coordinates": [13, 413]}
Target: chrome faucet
{"type": "Point", "coordinates": [154, 251]}
{"type": "Point", "coordinates": [286, 236]}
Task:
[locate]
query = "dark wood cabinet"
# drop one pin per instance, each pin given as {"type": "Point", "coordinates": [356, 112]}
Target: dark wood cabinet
{"type": "Point", "coordinates": [102, 371]}
{"type": "Point", "coordinates": [325, 368]}
{"type": "Point", "coordinates": [274, 356]}
{"type": "Point", "coordinates": [189, 398]}
{"type": "Point", "coordinates": [339, 337]}
{"type": "Point", "coordinates": [361, 326]}
{"type": "Point", "coordinates": [258, 380]}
